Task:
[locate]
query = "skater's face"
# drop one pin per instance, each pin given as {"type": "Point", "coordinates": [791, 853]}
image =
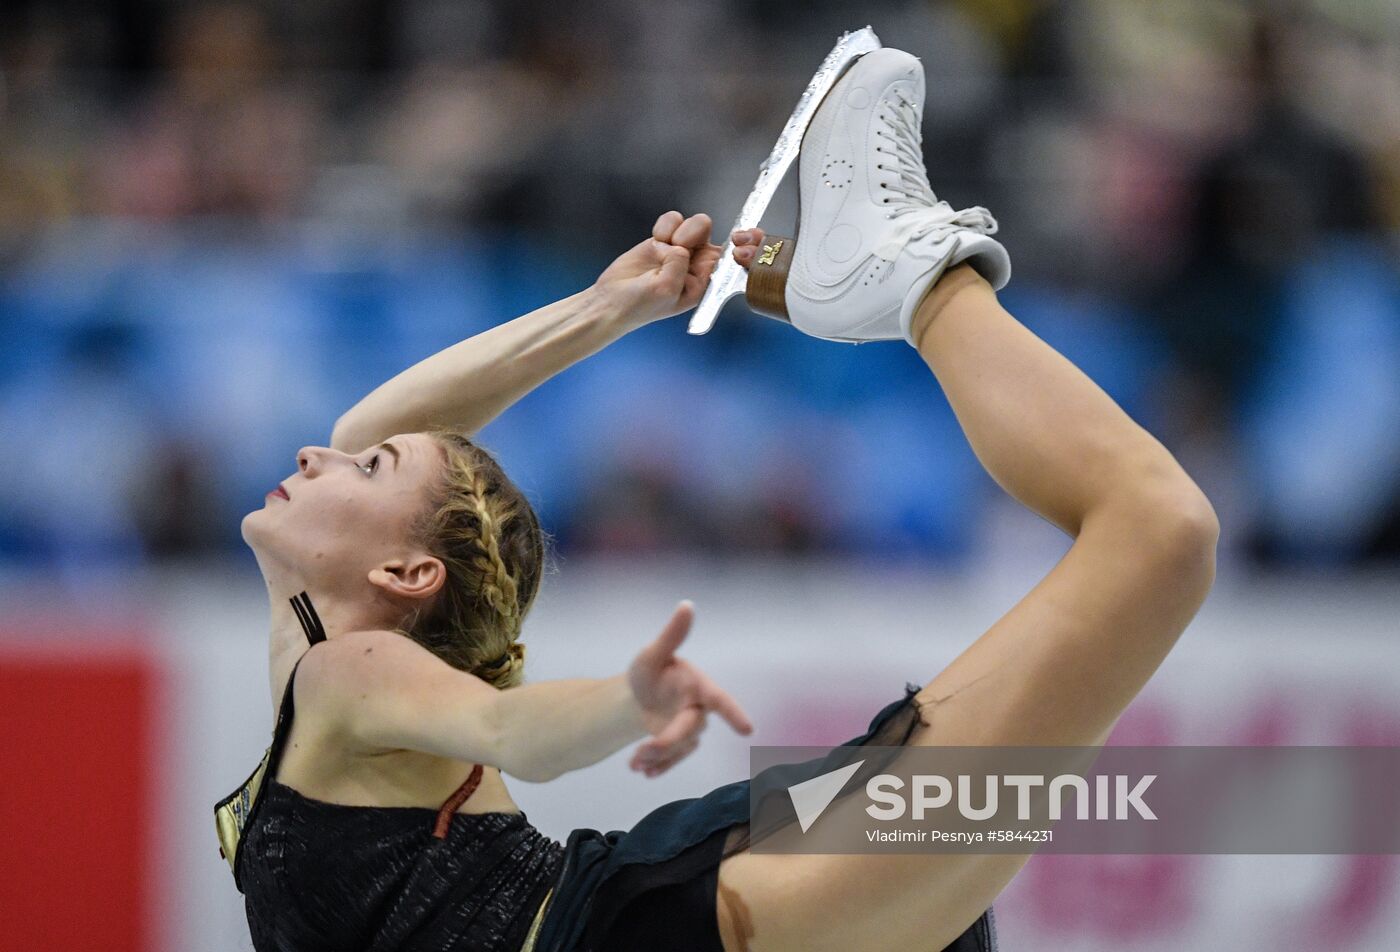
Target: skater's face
{"type": "Point", "coordinates": [345, 516]}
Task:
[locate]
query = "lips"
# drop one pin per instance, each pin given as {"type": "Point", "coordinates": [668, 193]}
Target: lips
{"type": "Point", "coordinates": [280, 492]}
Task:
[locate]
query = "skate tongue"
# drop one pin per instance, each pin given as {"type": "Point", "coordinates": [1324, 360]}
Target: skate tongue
{"type": "Point", "coordinates": [912, 225]}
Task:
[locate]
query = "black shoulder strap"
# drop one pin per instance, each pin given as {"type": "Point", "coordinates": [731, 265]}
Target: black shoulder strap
{"type": "Point", "coordinates": [283, 726]}
{"type": "Point", "coordinates": [310, 621]}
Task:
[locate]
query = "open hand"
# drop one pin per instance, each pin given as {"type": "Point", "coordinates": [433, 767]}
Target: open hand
{"type": "Point", "coordinates": [675, 698]}
{"type": "Point", "coordinates": [665, 274]}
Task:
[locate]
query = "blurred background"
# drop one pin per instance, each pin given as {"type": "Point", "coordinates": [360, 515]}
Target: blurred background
{"type": "Point", "coordinates": [222, 224]}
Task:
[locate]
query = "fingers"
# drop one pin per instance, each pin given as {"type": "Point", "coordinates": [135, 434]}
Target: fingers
{"type": "Point", "coordinates": [747, 244]}
{"type": "Point", "coordinates": [685, 724]}
{"type": "Point", "coordinates": [677, 754]}
{"type": "Point", "coordinates": [681, 737]}
{"type": "Point", "coordinates": [674, 228]}
{"type": "Point", "coordinates": [685, 727]}
{"type": "Point", "coordinates": [676, 740]}
{"type": "Point", "coordinates": [677, 628]}
{"type": "Point", "coordinates": [658, 764]}
{"type": "Point", "coordinates": [674, 267]}
{"type": "Point", "coordinates": [702, 266]}
{"type": "Point", "coordinates": [662, 651]}
{"type": "Point", "coordinates": [720, 701]}
{"type": "Point", "coordinates": [666, 226]}
{"type": "Point", "coordinates": [693, 233]}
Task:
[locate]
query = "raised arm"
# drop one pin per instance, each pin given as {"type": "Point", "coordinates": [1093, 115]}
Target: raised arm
{"type": "Point", "coordinates": [386, 692]}
{"type": "Point", "coordinates": [470, 383]}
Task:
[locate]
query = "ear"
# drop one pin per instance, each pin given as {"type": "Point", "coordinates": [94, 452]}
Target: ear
{"type": "Point", "coordinates": [420, 576]}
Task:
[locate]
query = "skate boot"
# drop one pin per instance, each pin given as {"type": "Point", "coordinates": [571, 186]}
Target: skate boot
{"type": "Point", "coordinates": [872, 238]}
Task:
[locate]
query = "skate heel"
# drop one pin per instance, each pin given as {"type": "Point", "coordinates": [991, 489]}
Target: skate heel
{"type": "Point", "coordinates": [766, 290]}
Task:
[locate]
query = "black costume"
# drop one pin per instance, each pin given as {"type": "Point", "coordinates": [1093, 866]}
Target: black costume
{"type": "Point", "coordinates": [324, 877]}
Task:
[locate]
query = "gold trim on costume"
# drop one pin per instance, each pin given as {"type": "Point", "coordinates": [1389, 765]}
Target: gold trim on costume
{"type": "Point", "coordinates": [231, 813]}
{"type": "Point", "coordinates": [534, 932]}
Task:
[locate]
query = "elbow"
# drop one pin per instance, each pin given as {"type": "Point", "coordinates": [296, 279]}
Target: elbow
{"type": "Point", "coordinates": [520, 765]}
{"type": "Point", "coordinates": [343, 437]}
{"type": "Point", "coordinates": [532, 773]}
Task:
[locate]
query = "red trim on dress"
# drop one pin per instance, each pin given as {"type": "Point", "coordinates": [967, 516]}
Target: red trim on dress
{"type": "Point", "coordinates": [449, 808]}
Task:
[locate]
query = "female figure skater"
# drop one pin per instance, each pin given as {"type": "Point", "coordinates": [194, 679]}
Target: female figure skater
{"type": "Point", "coordinates": [408, 560]}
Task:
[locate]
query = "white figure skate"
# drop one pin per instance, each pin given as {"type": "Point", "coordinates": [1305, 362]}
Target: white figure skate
{"type": "Point", "coordinates": [875, 238]}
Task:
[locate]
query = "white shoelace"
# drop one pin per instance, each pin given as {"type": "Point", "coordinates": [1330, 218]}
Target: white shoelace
{"type": "Point", "coordinates": [914, 207]}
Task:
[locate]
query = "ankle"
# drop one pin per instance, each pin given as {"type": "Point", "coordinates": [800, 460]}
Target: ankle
{"type": "Point", "coordinates": [958, 281]}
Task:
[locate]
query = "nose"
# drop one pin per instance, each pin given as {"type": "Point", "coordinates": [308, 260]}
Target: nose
{"type": "Point", "coordinates": [311, 460]}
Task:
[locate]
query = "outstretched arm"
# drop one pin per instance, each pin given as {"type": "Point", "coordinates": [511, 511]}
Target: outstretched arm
{"type": "Point", "coordinates": [470, 383]}
{"type": "Point", "coordinates": [386, 692]}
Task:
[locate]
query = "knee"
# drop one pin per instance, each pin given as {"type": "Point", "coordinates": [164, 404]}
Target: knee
{"type": "Point", "coordinates": [1179, 530]}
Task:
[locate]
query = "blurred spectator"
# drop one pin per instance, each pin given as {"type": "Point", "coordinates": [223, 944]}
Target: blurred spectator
{"type": "Point", "coordinates": [222, 223]}
{"type": "Point", "coordinates": [221, 136]}
{"type": "Point", "coordinates": [1263, 205]}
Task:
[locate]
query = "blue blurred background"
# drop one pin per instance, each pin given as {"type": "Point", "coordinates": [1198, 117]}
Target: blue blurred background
{"type": "Point", "coordinates": [220, 225]}
{"type": "Point", "coordinates": [223, 224]}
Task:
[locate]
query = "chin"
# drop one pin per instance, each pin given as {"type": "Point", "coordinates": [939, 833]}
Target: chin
{"type": "Point", "coordinates": [252, 528]}
{"type": "Point", "coordinates": [261, 539]}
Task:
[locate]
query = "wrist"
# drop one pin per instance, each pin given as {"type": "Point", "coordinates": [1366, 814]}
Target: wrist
{"type": "Point", "coordinates": [609, 306]}
{"type": "Point", "coordinates": [632, 713]}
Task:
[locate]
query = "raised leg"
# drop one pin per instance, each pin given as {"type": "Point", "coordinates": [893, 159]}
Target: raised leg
{"type": "Point", "coordinates": [1057, 669]}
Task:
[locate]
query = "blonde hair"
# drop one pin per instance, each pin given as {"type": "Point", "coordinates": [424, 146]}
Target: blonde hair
{"type": "Point", "coordinates": [486, 533]}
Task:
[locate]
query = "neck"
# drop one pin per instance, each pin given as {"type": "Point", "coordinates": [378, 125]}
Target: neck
{"type": "Point", "coordinates": [337, 615]}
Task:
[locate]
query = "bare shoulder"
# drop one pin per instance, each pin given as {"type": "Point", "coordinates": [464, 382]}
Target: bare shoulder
{"type": "Point", "coordinates": [354, 664]}
{"type": "Point", "coordinates": [369, 688]}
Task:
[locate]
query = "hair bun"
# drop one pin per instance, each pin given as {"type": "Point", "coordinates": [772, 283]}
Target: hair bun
{"type": "Point", "coordinates": [505, 670]}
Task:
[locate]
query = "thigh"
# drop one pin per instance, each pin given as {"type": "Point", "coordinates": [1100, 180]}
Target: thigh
{"type": "Point", "coordinates": [767, 902]}
{"type": "Point", "coordinates": [789, 902]}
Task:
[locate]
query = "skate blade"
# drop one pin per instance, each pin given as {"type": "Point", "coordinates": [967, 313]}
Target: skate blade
{"type": "Point", "coordinates": [729, 277]}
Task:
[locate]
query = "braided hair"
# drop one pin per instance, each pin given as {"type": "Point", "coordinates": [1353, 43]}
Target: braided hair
{"type": "Point", "coordinates": [487, 535]}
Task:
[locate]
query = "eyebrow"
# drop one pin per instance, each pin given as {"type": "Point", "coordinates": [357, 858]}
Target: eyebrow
{"type": "Point", "coordinates": [393, 450]}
